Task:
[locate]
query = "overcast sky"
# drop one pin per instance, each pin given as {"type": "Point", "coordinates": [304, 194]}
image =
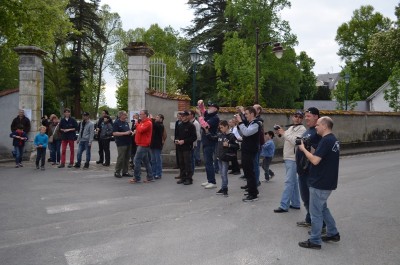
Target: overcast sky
{"type": "Point", "coordinates": [313, 21]}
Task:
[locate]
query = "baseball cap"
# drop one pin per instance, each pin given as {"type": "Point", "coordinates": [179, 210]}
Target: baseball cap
{"type": "Point", "coordinates": [215, 105]}
{"type": "Point", "coordinates": [299, 112]}
{"type": "Point", "coordinates": [185, 113]}
{"type": "Point", "coordinates": [313, 110]}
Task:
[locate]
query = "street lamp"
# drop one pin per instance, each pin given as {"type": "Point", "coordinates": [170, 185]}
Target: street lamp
{"type": "Point", "coordinates": [277, 50]}
{"type": "Point", "coordinates": [347, 81]}
{"type": "Point", "coordinates": [195, 58]}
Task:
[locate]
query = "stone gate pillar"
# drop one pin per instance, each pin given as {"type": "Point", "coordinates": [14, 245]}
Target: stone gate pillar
{"type": "Point", "coordinates": [138, 74]}
{"type": "Point", "coordinates": [31, 78]}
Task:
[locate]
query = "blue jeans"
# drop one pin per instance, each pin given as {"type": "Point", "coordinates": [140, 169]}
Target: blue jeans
{"type": "Point", "coordinates": [257, 167]}
{"type": "Point", "coordinates": [156, 162]}
{"type": "Point", "coordinates": [319, 213]}
{"type": "Point", "coordinates": [208, 151]}
{"type": "Point", "coordinates": [83, 146]}
{"type": "Point", "coordinates": [142, 155]}
{"type": "Point", "coordinates": [196, 152]}
{"type": "Point", "coordinates": [290, 195]}
{"type": "Point", "coordinates": [19, 151]}
{"type": "Point", "coordinates": [223, 169]}
{"type": "Point", "coordinates": [55, 151]}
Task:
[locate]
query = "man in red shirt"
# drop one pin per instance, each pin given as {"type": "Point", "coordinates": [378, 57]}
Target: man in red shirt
{"type": "Point", "coordinates": [143, 133]}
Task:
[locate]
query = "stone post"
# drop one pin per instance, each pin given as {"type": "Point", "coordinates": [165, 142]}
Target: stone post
{"type": "Point", "coordinates": [31, 75]}
{"type": "Point", "coordinates": [138, 74]}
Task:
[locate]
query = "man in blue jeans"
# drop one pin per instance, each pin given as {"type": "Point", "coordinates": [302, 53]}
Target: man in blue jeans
{"type": "Point", "coordinates": [85, 139]}
{"type": "Point", "coordinates": [303, 165]}
{"type": "Point", "coordinates": [290, 195]}
{"type": "Point", "coordinates": [209, 119]}
{"type": "Point", "coordinates": [323, 179]}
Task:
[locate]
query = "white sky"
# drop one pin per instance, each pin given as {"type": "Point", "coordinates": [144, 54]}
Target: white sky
{"type": "Point", "coordinates": [313, 21]}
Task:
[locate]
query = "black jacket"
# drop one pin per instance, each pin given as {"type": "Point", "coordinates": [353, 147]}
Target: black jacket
{"type": "Point", "coordinates": [186, 131]}
{"type": "Point", "coordinates": [25, 122]}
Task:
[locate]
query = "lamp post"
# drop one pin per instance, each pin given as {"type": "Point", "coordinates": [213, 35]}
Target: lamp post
{"type": "Point", "coordinates": [347, 81]}
{"type": "Point", "coordinates": [277, 50]}
{"type": "Point", "coordinates": [195, 58]}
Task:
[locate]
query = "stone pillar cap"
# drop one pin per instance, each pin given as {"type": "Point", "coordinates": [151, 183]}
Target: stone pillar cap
{"type": "Point", "coordinates": [138, 49]}
{"type": "Point", "coordinates": [30, 50]}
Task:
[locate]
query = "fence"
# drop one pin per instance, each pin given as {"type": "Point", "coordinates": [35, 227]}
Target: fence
{"type": "Point", "coordinates": [158, 75]}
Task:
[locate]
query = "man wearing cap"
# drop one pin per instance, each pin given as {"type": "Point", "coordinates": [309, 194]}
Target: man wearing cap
{"type": "Point", "coordinates": [209, 119]}
{"type": "Point", "coordinates": [303, 165]}
{"type": "Point", "coordinates": [185, 137]}
{"type": "Point", "coordinates": [290, 196]}
{"type": "Point", "coordinates": [67, 127]}
{"type": "Point", "coordinates": [84, 141]}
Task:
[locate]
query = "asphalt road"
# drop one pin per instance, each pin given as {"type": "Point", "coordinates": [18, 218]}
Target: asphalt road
{"type": "Point", "coordinates": [81, 217]}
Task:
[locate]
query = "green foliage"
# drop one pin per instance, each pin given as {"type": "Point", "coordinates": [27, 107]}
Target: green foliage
{"type": "Point", "coordinates": [354, 38]}
{"type": "Point", "coordinates": [26, 22]}
{"type": "Point", "coordinates": [308, 79]}
{"type": "Point", "coordinates": [392, 94]}
{"type": "Point", "coordinates": [237, 63]}
{"type": "Point", "coordinates": [340, 94]}
{"type": "Point", "coordinates": [122, 95]}
{"type": "Point", "coordinates": [323, 93]}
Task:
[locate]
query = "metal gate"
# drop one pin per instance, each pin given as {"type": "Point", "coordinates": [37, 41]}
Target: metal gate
{"type": "Point", "coordinates": [158, 75]}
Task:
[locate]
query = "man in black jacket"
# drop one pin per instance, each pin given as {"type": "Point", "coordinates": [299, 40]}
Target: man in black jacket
{"type": "Point", "coordinates": [184, 139]}
{"type": "Point", "coordinates": [21, 119]}
{"type": "Point", "coordinates": [250, 147]}
{"type": "Point", "coordinates": [99, 125]}
{"type": "Point", "coordinates": [68, 126]}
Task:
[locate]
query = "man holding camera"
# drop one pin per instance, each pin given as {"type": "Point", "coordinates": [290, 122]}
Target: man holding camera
{"type": "Point", "coordinates": [303, 165]}
{"type": "Point", "coordinates": [290, 196]}
{"type": "Point", "coordinates": [323, 178]}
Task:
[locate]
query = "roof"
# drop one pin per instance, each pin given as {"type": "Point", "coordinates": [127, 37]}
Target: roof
{"type": "Point", "coordinates": [329, 79]}
{"type": "Point", "coordinates": [8, 91]}
{"type": "Point", "coordinates": [379, 90]}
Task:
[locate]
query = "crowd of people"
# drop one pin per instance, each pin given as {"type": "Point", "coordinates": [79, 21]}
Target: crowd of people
{"type": "Point", "coordinates": [311, 155]}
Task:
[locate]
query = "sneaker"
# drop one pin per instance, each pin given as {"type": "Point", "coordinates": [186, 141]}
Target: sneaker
{"type": "Point", "coordinates": [70, 165]}
{"type": "Point", "coordinates": [250, 198]}
{"type": "Point", "coordinates": [220, 192]}
{"type": "Point", "coordinates": [309, 244]}
{"type": "Point", "coordinates": [226, 193]}
{"type": "Point", "coordinates": [204, 184]}
{"type": "Point", "coordinates": [86, 166]}
{"type": "Point", "coordinates": [188, 182]}
{"type": "Point", "coordinates": [117, 175]}
{"type": "Point", "coordinates": [127, 175]}
{"type": "Point", "coordinates": [76, 165]}
{"type": "Point", "coordinates": [54, 163]}
{"type": "Point", "coordinates": [210, 186]}
{"type": "Point", "coordinates": [61, 166]}
{"type": "Point", "coordinates": [294, 207]}
{"type": "Point", "coordinates": [303, 224]}
{"type": "Point", "coordinates": [99, 162]}
{"type": "Point", "coordinates": [20, 165]}
{"type": "Point", "coordinates": [37, 167]}
{"type": "Point", "coordinates": [243, 187]}
{"type": "Point", "coordinates": [272, 175]}
{"type": "Point", "coordinates": [335, 238]}
{"type": "Point", "coordinates": [16, 166]}
{"type": "Point", "coordinates": [42, 168]}
{"type": "Point", "coordinates": [181, 181]}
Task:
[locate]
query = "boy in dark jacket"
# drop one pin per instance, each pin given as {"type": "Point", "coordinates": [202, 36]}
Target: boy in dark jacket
{"type": "Point", "coordinates": [226, 151]}
{"type": "Point", "coordinates": [19, 139]}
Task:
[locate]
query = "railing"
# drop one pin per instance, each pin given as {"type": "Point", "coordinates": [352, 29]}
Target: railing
{"type": "Point", "coordinates": [158, 75]}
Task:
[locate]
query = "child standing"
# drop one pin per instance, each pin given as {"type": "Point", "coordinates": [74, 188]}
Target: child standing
{"type": "Point", "coordinates": [267, 152]}
{"type": "Point", "coordinates": [41, 141]}
{"type": "Point", "coordinates": [226, 151]}
{"type": "Point", "coordinates": [19, 139]}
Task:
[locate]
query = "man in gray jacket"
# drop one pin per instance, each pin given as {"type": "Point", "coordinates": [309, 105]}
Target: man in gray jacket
{"type": "Point", "coordinates": [85, 138]}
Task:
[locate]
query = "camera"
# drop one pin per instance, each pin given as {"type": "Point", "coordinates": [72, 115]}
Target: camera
{"type": "Point", "coordinates": [277, 127]}
{"type": "Point", "coordinates": [306, 140]}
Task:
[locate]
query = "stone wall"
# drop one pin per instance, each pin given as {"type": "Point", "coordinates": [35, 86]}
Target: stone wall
{"type": "Point", "coordinates": [9, 105]}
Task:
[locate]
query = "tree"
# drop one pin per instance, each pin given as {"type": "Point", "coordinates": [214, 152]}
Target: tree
{"type": "Point", "coordinates": [87, 24]}
{"type": "Point", "coordinates": [308, 79]}
{"type": "Point", "coordinates": [353, 38]}
{"type": "Point", "coordinates": [26, 22]}
{"type": "Point", "coordinates": [392, 94]}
